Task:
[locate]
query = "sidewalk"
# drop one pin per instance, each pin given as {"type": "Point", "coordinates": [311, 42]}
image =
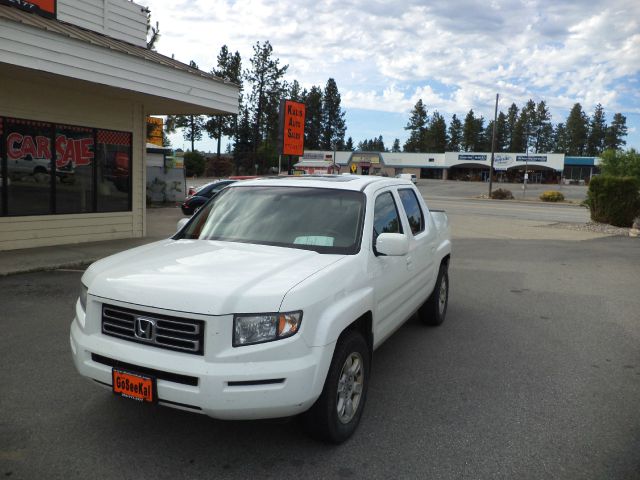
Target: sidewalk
{"type": "Point", "coordinates": [161, 223]}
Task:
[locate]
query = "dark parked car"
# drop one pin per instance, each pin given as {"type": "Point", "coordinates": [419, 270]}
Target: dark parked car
{"type": "Point", "coordinates": [204, 193]}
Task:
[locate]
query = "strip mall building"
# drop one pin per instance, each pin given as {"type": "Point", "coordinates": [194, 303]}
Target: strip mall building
{"type": "Point", "coordinates": [77, 83]}
{"type": "Point", "coordinates": [509, 167]}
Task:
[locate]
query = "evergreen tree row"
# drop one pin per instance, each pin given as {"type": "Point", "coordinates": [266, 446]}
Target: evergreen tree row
{"type": "Point", "coordinates": [529, 128]}
{"type": "Point", "coordinates": [254, 133]}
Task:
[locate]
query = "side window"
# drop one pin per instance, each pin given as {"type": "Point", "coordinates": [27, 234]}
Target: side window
{"type": "Point", "coordinates": [385, 216]}
{"type": "Point", "coordinates": [412, 207]}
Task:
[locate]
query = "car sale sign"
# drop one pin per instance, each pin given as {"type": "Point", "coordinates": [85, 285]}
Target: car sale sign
{"type": "Point", "coordinates": [292, 127]}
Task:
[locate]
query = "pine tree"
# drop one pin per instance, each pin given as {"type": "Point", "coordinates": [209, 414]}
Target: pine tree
{"type": "Point", "coordinates": [313, 119]}
{"type": "Point", "coordinates": [396, 146]}
{"type": "Point", "coordinates": [501, 133]}
{"type": "Point", "coordinates": [349, 145]}
{"type": "Point", "coordinates": [265, 78]}
{"type": "Point", "coordinates": [437, 133]}
{"type": "Point", "coordinates": [455, 134]}
{"type": "Point", "coordinates": [483, 141]}
{"type": "Point", "coordinates": [577, 130]}
{"type": "Point", "coordinates": [512, 120]}
{"type": "Point", "coordinates": [295, 92]}
{"type": "Point", "coordinates": [470, 133]}
{"type": "Point", "coordinates": [543, 128]}
{"type": "Point", "coordinates": [518, 134]}
{"type": "Point", "coordinates": [229, 68]}
{"type": "Point", "coordinates": [614, 139]}
{"type": "Point", "coordinates": [560, 143]}
{"type": "Point", "coordinates": [417, 128]}
{"type": "Point", "coordinates": [597, 132]}
{"type": "Point", "coordinates": [333, 125]}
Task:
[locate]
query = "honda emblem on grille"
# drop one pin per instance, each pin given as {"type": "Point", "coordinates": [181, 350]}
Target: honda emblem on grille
{"type": "Point", "coordinates": [145, 328]}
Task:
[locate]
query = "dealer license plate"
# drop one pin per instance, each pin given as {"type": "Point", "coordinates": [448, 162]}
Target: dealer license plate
{"type": "Point", "coordinates": [134, 385]}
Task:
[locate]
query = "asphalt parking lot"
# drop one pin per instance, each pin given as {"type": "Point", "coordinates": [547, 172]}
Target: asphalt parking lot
{"type": "Point", "coordinates": [534, 374]}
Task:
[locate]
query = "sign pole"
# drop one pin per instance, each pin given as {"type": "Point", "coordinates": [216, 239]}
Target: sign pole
{"type": "Point", "coordinates": [493, 144]}
{"type": "Point", "coordinates": [279, 164]}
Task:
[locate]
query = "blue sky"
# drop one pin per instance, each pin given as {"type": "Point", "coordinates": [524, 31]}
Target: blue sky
{"type": "Point", "coordinates": [454, 55]}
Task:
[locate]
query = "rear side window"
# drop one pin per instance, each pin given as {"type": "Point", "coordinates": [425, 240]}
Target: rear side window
{"type": "Point", "coordinates": [412, 207]}
{"type": "Point", "coordinates": [385, 217]}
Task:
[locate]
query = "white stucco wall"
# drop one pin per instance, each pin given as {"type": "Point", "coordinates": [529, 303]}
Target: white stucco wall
{"type": "Point", "coordinates": [36, 97]}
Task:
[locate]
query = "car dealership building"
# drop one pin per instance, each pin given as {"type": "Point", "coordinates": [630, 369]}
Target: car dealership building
{"type": "Point", "coordinates": [508, 167]}
{"type": "Point", "coordinates": [77, 85]}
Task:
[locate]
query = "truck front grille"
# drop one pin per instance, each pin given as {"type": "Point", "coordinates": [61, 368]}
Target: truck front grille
{"type": "Point", "coordinates": [162, 331]}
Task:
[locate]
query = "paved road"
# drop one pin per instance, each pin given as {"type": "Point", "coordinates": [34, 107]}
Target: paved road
{"type": "Point", "coordinates": [451, 188]}
{"type": "Point", "coordinates": [542, 212]}
{"type": "Point", "coordinates": [535, 374]}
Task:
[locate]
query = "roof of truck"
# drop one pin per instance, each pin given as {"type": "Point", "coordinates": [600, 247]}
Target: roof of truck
{"type": "Point", "coordinates": [340, 182]}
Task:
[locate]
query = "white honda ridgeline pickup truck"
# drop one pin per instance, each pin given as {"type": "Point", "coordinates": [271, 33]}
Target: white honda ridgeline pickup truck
{"type": "Point", "coordinates": [268, 302]}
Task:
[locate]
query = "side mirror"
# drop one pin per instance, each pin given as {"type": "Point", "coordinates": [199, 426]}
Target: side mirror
{"type": "Point", "coordinates": [181, 223]}
{"type": "Point", "coordinates": [392, 244]}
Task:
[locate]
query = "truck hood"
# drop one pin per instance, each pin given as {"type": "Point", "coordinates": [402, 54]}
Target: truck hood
{"type": "Point", "coordinates": [203, 276]}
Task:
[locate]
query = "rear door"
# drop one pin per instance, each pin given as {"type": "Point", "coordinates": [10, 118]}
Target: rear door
{"type": "Point", "coordinates": [422, 241]}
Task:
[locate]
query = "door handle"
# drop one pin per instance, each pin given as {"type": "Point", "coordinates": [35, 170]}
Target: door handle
{"type": "Point", "coordinates": [409, 262]}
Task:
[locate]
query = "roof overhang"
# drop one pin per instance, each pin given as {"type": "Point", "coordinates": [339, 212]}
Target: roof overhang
{"type": "Point", "coordinates": [163, 85]}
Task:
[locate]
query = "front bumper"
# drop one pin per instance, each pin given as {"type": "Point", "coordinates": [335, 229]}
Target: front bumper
{"type": "Point", "coordinates": [228, 387]}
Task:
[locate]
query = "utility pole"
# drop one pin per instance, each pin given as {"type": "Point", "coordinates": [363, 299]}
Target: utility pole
{"type": "Point", "coordinates": [493, 144]}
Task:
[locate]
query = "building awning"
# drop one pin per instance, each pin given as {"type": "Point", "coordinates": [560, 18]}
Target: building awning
{"type": "Point", "coordinates": [162, 84]}
{"type": "Point", "coordinates": [580, 161]}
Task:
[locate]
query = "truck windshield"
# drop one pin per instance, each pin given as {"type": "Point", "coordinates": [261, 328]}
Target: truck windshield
{"type": "Point", "coordinates": [320, 219]}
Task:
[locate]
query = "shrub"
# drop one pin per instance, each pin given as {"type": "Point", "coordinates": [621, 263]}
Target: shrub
{"type": "Point", "coordinates": [194, 163]}
{"type": "Point", "coordinates": [620, 163]}
{"type": "Point", "coordinates": [613, 200]}
{"type": "Point", "coordinates": [552, 196]}
{"type": "Point", "coordinates": [502, 194]}
{"type": "Point", "coordinates": [219, 167]}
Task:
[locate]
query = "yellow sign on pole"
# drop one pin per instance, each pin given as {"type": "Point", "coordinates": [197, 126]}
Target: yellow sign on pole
{"type": "Point", "coordinates": [354, 168]}
{"type": "Point", "coordinates": [154, 131]}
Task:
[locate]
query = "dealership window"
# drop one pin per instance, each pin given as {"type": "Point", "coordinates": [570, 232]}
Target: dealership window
{"type": "Point", "coordinates": [28, 163]}
{"type": "Point", "coordinates": [91, 172]}
{"type": "Point", "coordinates": [113, 155]}
{"type": "Point", "coordinates": [74, 169]}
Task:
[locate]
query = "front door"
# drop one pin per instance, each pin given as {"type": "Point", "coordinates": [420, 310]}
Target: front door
{"type": "Point", "coordinates": [389, 273]}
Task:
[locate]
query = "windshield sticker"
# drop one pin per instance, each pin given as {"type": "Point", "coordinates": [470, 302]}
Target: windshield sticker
{"type": "Point", "coordinates": [316, 240]}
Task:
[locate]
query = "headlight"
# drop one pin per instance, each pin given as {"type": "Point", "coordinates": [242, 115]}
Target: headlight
{"type": "Point", "coordinates": [264, 327]}
{"type": "Point", "coordinates": [83, 297]}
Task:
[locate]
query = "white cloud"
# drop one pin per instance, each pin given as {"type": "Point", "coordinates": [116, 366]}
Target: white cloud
{"type": "Point", "coordinates": [455, 55]}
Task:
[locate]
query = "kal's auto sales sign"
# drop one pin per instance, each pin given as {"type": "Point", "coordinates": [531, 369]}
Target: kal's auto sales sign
{"type": "Point", "coordinates": [46, 8]}
{"type": "Point", "coordinates": [69, 151]}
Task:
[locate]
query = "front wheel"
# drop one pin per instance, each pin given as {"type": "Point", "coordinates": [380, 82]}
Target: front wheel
{"type": "Point", "coordinates": [434, 310]}
{"type": "Point", "coordinates": [337, 412]}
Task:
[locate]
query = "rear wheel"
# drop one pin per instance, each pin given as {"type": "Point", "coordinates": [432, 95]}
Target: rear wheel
{"type": "Point", "coordinates": [434, 310]}
{"type": "Point", "coordinates": [337, 412]}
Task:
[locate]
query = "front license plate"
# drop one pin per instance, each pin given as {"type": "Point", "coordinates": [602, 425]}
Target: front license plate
{"type": "Point", "coordinates": [134, 385]}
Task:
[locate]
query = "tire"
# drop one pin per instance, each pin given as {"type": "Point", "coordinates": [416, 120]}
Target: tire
{"type": "Point", "coordinates": [330, 418]}
{"type": "Point", "coordinates": [434, 310]}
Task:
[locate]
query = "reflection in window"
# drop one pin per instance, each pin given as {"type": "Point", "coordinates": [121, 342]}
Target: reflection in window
{"type": "Point", "coordinates": [28, 154]}
{"type": "Point", "coordinates": [74, 169]}
{"type": "Point", "coordinates": [88, 176]}
{"type": "Point", "coordinates": [385, 219]}
{"type": "Point", "coordinates": [413, 210]}
{"type": "Point", "coordinates": [113, 154]}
